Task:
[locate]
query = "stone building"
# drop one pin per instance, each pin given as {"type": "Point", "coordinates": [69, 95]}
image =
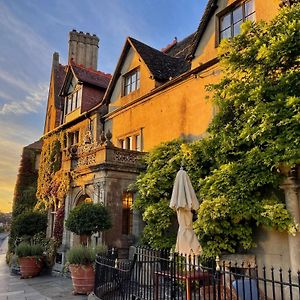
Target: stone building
{"type": "Point", "coordinates": [153, 96]}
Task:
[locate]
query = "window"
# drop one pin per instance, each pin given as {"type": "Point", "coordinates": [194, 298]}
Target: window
{"type": "Point", "coordinates": [131, 81]}
{"type": "Point", "coordinates": [73, 101]}
{"type": "Point", "coordinates": [73, 138]}
{"type": "Point", "coordinates": [138, 142]}
{"type": "Point", "coordinates": [230, 21]}
{"type": "Point", "coordinates": [132, 142]}
{"type": "Point", "coordinates": [127, 215]}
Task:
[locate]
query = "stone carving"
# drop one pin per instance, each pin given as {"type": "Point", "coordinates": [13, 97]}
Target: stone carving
{"type": "Point", "coordinates": [99, 187]}
{"type": "Point", "coordinates": [102, 138]}
{"type": "Point", "coordinates": [86, 149]}
{"type": "Point", "coordinates": [125, 157]}
{"type": "Point", "coordinates": [87, 160]}
{"type": "Point", "coordinates": [88, 137]}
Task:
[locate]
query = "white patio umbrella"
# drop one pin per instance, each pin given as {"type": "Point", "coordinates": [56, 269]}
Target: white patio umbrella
{"type": "Point", "coordinates": [183, 200]}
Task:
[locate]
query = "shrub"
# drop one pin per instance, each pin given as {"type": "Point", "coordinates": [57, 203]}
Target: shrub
{"type": "Point", "coordinates": [101, 249]}
{"type": "Point", "coordinates": [80, 255]}
{"type": "Point", "coordinates": [29, 223]}
{"type": "Point", "coordinates": [88, 218]}
{"type": "Point", "coordinates": [25, 249]}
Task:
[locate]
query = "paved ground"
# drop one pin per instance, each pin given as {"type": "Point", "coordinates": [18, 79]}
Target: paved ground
{"type": "Point", "coordinates": [44, 287]}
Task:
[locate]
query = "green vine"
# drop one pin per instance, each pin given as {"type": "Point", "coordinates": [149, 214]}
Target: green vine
{"type": "Point", "coordinates": [53, 182]}
{"type": "Point", "coordinates": [236, 169]}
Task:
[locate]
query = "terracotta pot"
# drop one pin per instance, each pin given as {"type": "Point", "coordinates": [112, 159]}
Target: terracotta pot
{"type": "Point", "coordinates": [83, 278]}
{"type": "Point", "coordinates": [30, 266]}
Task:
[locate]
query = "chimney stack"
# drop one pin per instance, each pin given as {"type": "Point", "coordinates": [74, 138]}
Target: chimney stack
{"type": "Point", "coordinates": [83, 49]}
{"type": "Point", "coordinates": [55, 59]}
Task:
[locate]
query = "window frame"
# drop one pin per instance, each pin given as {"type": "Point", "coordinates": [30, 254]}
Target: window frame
{"type": "Point", "coordinates": [229, 10]}
{"type": "Point", "coordinates": [73, 101]}
{"type": "Point", "coordinates": [127, 213]}
{"type": "Point", "coordinates": [137, 82]}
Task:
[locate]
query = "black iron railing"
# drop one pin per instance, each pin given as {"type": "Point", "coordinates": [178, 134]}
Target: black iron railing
{"type": "Point", "coordinates": [155, 275]}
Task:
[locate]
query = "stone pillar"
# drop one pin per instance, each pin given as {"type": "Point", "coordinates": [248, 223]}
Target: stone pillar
{"type": "Point", "coordinates": [66, 234]}
{"type": "Point", "coordinates": [291, 191]}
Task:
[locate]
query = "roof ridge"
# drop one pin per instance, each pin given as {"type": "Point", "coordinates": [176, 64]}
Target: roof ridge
{"type": "Point", "coordinates": [156, 50]}
{"type": "Point", "coordinates": [169, 46]}
{"type": "Point", "coordinates": [90, 69]}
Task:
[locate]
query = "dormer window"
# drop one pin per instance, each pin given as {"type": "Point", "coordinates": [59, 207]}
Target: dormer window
{"type": "Point", "coordinates": [231, 18]}
{"type": "Point", "coordinates": [73, 101]}
{"type": "Point", "coordinates": [131, 81]}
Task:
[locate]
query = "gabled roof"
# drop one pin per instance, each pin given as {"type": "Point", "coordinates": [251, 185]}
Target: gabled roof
{"type": "Point", "coordinates": [181, 49]}
{"type": "Point", "coordinates": [59, 73]}
{"type": "Point", "coordinates": [208, 13]}
{"type": "Point", "coordinates": [88, 75]}
{"type": "Point", "coordinates": [161, 65]}
{"type": "Point", "coordinates": [85, 75]}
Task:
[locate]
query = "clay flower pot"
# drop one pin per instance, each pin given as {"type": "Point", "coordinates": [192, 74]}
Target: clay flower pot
{"type": "Point", "coordinates": [83, 278]}
{"type": "Point", "coordinates": [30, 266]}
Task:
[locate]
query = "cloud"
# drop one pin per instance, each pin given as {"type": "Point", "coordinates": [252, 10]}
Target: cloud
{"type": "Point", "coordinates": [15, 81]}
{"type": "Point", "coordinates": [31, 104]}
{"type": "Point", "coordinates": [23, 35]}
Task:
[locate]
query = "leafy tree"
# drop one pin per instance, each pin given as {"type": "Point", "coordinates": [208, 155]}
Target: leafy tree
{"type": "Point", "coordinates": [88, 218]}
{"type": "Point", "coordinates": [255, 132]}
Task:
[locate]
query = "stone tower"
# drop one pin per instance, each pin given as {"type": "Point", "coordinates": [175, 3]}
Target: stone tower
{"type": "Point", "coordinates": [83, 49]}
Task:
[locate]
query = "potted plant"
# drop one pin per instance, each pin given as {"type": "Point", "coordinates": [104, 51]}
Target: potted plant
{"type": "Point", "coordinates": [81, 265]}
{"type": "Point", "coordinates": [30, 259]}
{"type": "Point", "coordinates": [85, 219]}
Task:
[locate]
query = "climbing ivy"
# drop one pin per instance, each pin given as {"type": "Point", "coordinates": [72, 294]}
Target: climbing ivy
{"type": "Point", "coordinates": [255, 132]}
{"type": "Point", "coordinates": [236, 169]}
{"type": "Point", "coordinates": [53, 182]}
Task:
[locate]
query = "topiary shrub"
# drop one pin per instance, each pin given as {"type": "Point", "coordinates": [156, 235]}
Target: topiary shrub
{"type": "Point", "coordinates": [30, 223]}
{"type": "Point", "coordinates": [88, 218]}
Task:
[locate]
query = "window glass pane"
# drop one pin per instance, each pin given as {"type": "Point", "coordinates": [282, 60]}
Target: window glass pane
{"type": "Point", "coordinates": [249, 7]}
{"type": "Point", "coordinates": [79, 96]}
{"type": "Point", "coordinates": [237, 28]}
{"type": "Point", "coordinates": [69, 105]}
{"type": "Point", "coordinates": [130, 143]}
{"type": "Point", "coordinates": [237, 14]}
{"type": "Point", "coordinates": [127, 89]}
{"type": "Point", "coordinates": [76, 97]}
{"type": "Point", "coordinates": [127, 80]}
{"type": "Point", "coordinates": [226, 33]}
{"type": "Point", "coordinates": [225, 21]}
{"type": "Point", "coordinates": [133, 78]}
{"type": "Point", "coordinates": [138, 143]}
{"type": "Point", "coordinates": [66, 106]}
{"type": "Point", "coordinates": [251, 17]}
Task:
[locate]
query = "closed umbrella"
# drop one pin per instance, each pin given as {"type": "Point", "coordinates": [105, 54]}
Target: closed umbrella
{"type": "Point", "coordinates": [184, 200]}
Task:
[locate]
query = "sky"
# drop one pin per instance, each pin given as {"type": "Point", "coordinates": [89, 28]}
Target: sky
{"type": "Point", "coordinates": [31, 30]}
